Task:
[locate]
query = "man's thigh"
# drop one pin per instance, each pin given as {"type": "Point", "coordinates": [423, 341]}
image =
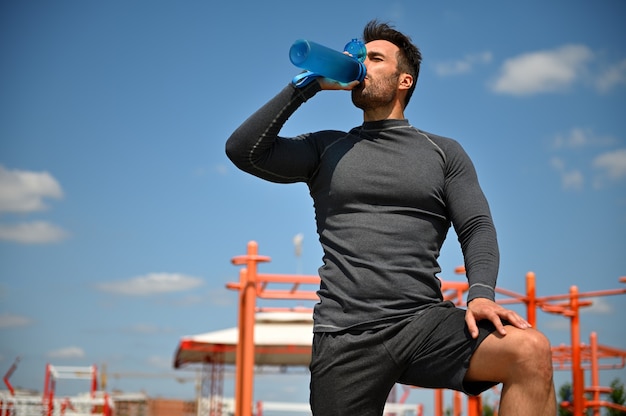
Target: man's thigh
{"type": "Point", "coordinates": [351, 374]}
{"type": "Point", "coordinates": [435, 349]}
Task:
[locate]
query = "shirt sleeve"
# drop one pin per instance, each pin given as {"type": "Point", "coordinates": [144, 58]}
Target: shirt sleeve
{"type": "Point", "coordinates": [473, 223]}
{"type": "Point", "coordinates": [256, 147]}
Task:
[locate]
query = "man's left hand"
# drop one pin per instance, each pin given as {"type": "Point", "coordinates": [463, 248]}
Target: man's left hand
{"type": "Point", "coordinates": [481, 308]}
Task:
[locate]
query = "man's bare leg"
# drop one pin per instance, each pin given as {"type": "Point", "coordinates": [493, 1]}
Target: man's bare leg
{"type": "Point", "coordinates": [522, 361]}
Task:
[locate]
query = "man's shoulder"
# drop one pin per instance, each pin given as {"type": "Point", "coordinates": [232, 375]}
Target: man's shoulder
{"type": "Point", "coordinates": [446, 143]}
{"type": "Point", "coordinates": [436, 137]}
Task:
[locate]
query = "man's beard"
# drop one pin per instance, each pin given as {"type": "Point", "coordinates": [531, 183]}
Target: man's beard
{"type": "Point", "coordinates": [376, 94]}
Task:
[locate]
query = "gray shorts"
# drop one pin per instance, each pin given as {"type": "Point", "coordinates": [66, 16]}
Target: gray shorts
{"type": "Point", "coordinates": [352, 372]}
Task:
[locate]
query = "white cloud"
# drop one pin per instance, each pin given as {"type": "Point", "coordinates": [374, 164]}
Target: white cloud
{"type": "Point", "coordinates": [152, 284]}
{"type": "Point", "coordinates": [557, 325]}
{"type": "Point", "coordinates": [570, 178]}
{"type": "Point", "coordinates": [609, 166]}
{"type": "Point", "coordinates": [578, 138]}
{"type": "Point", "coordinates": [8, 320]}
{"type": "Point", "coordinates": [147, 329]}
{"type": "Point", "coordinates": [67, 353]}
{"type": "Point", "coordinates": [36, 232]}
{"type": "Point", "coordinates": [221, 169]}
{"type": "Point", "coordinates": [462, 65]}
{"type": "Point", "coordinates": [612, 76]}
{"type": "Point", "coordinates": [599, 306]}
{"type": "Point", "coordinates": [24, 191]}
{"type": "Point", "coordinates": [612, 164]}
{"type": "Point", "coordinates": [543, 71]}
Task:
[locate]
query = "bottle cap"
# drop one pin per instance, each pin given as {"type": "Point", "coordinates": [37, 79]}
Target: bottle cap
{"type": "Point", "coordinates": [357, 49]}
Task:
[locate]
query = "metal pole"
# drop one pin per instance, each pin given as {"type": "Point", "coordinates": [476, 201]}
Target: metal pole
{"type": "Point", "coordinates": [531, 299]}
{"type": "Point", "coordinates": [239, 350]}
{"type": "Point", "coordinates": [595, 378]}
{"type": "Point", "coordinates": [577, 374]}
{"type": "Point", "coordinates": [247, 334]}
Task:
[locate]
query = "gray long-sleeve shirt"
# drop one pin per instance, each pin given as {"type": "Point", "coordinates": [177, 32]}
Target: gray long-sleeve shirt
{"type": "Point", "coordinates": [385, 194]}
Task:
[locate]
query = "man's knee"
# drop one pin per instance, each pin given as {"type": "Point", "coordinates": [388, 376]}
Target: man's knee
{"type": "Point", "coordinates": [534, 354]}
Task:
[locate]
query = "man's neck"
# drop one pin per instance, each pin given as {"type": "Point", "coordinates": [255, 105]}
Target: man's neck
{"type": "Point", "coordinates": [395, 111]}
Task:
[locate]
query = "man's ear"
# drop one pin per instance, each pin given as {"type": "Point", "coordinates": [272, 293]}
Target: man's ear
{"type": "Point", "coordinates": [406, 81]}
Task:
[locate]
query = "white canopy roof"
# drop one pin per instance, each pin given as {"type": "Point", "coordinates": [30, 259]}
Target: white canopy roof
{"type": "Point", "coordinates": [280, 338]}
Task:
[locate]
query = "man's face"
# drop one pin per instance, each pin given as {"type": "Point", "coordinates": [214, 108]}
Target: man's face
{"type": "Point", "coordinates": [380, 86]}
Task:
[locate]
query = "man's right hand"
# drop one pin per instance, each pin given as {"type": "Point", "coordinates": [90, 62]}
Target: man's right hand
{"type": "Point", "coordinates": [331, 84]}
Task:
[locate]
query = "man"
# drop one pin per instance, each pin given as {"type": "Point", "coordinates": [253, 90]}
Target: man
{"type": "Point", "coordinates": [385, 195]}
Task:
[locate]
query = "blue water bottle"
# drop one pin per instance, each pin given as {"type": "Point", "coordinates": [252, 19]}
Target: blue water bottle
{"type": "Point", "coordinates": [321, 61]}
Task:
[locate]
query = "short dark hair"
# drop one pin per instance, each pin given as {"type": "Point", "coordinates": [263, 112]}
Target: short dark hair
{"type": "Point", "coordinates": [409, 58]}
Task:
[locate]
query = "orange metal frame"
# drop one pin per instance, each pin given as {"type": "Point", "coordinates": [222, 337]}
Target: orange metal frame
{"type": "Point", "coordinates": [50, 386]}
{"type": "Point", "coordinates": [590, 356]}
{"type": "Point", "coordinates": [253, 285]}
{"type": "Point", "coordinates": [576, 354]}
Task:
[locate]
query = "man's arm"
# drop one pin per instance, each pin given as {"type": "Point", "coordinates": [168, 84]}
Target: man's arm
{"type": "Point", "coordinates": [256, 147]}
{"type": "Point", "coordinates": [477, 235]}
{"type": "Point", "coordinates": [471, 217]}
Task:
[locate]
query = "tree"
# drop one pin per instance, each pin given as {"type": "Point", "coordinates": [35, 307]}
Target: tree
{"type": "Point", "coordinates": [565, 395]}
{"type": "Point", "coordinates": [617, 396]}
{"type": "Point", "coordinates": [488, 410]}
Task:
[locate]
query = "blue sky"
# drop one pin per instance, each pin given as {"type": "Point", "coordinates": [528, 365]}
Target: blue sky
{"type": "Point", "coordinates": [119, 212]}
